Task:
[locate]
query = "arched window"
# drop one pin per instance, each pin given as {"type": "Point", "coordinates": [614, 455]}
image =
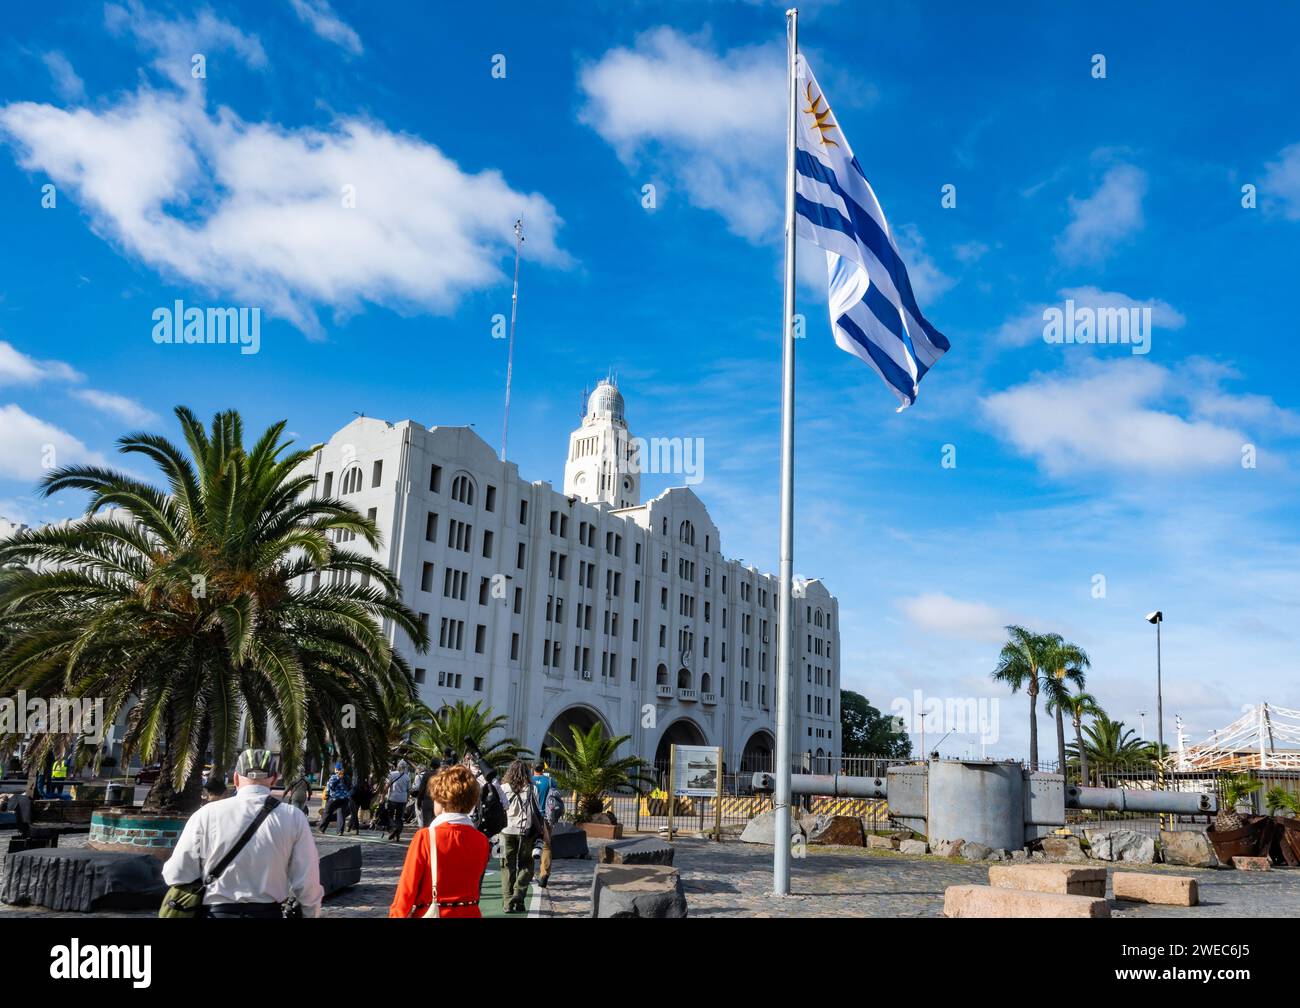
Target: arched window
{"type": "Point", "coordinates": [684, 678]}
{"type": "Point", "coordinates": [661, 675]}
{"type": "Point", "coordinates": [818, 618]}
{"type": "Point", "coordinates": [706, 682]}
{"type": "Point", "coordinates": [686, 533]}
{"type": "Point", "coordinates": [351, 481]}
{"type": "Point", "coordinates": [462, 490]}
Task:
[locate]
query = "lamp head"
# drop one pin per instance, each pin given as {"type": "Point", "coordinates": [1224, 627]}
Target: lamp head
{"type": "Point", "coordinates": [1156, 617]}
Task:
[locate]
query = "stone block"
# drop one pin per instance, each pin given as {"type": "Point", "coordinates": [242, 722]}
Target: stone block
{"type": "Point", "coordinates": [762, 828]}
{"type": "Point", "coordinates": [1243, 863]}
{"type": "Point", "coordinates": [913, 847]}
{"type": "Point", "coordinates": [1149, 887]}
{"type": "Point", "coordinates": [876, 842]}
{"type": "Point", "coordinates": [1121, 845]}
{"type": "Point", "coordinates": [637, 891]}
{"type": "Point", "coordinates": [948, 848]}
{"type": "Point", "coordinates": [1063, 848]}
{"type": "Point", "coordinates": [985, 901]}
{"type": "Point", "coordinates": [973, 850]}
{"type": "Point", "coordinates": [644, 851]}
{"type": "Point", "coordinates": [1191, 848]}
{"type": "Point", "coordinates": [568, 842]}
{"type": "Point", "coordinates": [1064, 879]}
{"type": "Point", "coordinates": [836, 831]}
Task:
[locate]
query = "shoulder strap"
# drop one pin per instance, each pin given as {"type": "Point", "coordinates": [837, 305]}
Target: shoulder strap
{"type": "Point", "coordinates": [267, 808]}
{"type": "Point", "coordinates": [433, 862]}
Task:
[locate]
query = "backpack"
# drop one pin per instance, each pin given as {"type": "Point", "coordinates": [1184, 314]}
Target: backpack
{"type": "Point", "coordinates": [491, 812]}
{"type": "Point", "coordinates": [554, 805]}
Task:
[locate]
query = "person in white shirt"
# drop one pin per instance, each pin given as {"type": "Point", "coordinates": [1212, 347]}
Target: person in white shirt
{"type": "Point", "coordinates": [399, 789]}
{"type": "Point", "coordinates": [279, 861]}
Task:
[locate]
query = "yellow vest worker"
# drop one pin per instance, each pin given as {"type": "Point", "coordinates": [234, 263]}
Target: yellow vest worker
{"type": "Point", "coordinates": [60, 771]}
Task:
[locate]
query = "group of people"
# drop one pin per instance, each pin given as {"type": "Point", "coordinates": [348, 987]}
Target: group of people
{"type": "Point", "coordinates": [459, 806]}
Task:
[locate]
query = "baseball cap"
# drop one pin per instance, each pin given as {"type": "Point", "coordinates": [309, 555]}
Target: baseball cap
{"type": "Point", "coordinates": [254, 764]}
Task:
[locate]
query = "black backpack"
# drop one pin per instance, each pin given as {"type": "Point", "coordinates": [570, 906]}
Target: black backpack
{"type": "Point", "coordinates": [491, 812]}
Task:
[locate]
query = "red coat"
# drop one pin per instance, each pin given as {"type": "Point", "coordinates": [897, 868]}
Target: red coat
{"type": "Point", "coordinates": [462, 858]}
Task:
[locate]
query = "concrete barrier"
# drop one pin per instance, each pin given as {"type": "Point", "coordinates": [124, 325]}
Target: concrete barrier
{"type": "Point", "coordinates": [986, 901]}
{"type": "Point", "coordinates": [1064, 879]}
{"type": "Point", "coordinates": [1148, 887]}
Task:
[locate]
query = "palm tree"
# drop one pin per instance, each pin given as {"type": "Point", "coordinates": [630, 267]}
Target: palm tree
{"type": "Point", "coordinates": [1280, 801]}
{"type": "Point", "coordinates": [1021, 665]}
{"type": "Point", "coordinates": [405, 718]}
{"type": "Point", "coordinates": [462, 726]}
{"type": "Point", "coordinates": [591, 766]}
{"type": "Point", "coordinates": [1078, 706]}
{"type": "Point", "coordinates": [1107, 744]}
{"type": "Point", "coordinates": [1236, 789]}
{"type": "Point", "coordinates": [225, 600]}
{"type": "Point", "coordinates": [1067, 664]}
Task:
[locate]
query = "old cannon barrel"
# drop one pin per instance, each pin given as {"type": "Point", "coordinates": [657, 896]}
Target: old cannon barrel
{"type": "Point", "coordinates": [1139, 800]}
{"type": "Point", "coordinates": [832, 785]}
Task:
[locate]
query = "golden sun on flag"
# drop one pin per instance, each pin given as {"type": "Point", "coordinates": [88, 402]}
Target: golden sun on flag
{"type": "Point", "coordinates": [821, 117]}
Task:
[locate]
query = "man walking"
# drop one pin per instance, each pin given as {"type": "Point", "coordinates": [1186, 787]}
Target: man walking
{"type": "Point", "coordinates": [335, 802]}
{"type": "Point", "coordinates": [278, 861]}
{"type": "Point", "coordinates": [399, 789]}
{"type": "Point", "coordinates": [542, 784]}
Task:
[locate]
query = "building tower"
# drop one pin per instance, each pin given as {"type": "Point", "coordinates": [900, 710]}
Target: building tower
{"type": "Point", "coordinates": [602, 465]}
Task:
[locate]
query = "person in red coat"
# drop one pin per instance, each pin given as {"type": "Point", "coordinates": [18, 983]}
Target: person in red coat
{"type": "Point", "coordinates": [462, 853]}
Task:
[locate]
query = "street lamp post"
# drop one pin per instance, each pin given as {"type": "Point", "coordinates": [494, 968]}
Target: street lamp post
{"type": "Point", "coordinates": [1157, 618]}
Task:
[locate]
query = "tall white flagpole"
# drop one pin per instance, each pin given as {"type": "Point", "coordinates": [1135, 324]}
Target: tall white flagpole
{"type": "Point", "coordinates": [510, 353]}
{"type": "Point", "coordinates": [785, 618]}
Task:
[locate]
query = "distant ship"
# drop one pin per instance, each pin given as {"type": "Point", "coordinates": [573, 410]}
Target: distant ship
{"type": "Point", "coordinates": [704, 764]}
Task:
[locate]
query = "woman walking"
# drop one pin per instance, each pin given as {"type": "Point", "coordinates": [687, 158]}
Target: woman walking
{"type": "Point", "coordinates": [519, 797]}
{"type": "Point", "coordinates": [446, 861]}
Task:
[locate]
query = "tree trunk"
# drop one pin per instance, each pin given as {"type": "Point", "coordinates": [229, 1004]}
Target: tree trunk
{"type": "Point", "coordinates": [163, 796]}
{"type": "Point", "coordinates": [1033, 727]}
{"type": "Point", "coordinates": [1060, 739]}
{"type": "Point", "coordinates": [1083, 756]}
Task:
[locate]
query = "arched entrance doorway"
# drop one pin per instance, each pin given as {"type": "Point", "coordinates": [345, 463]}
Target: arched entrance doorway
{"type": "Point", "coordinates": [681, 732]}
{"type": "Point", "coordinates": [578, 717]}
{"type": "Point", "coordinates": [758, 753]}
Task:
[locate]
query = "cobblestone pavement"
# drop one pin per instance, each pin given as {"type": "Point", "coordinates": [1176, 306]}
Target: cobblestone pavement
{"type": "Point", "coordinates": [734, 880]}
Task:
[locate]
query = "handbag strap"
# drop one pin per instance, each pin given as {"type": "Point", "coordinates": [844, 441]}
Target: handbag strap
{"type": "Point", "coordinates": [433, 865]}
{"type": "Point", "coordinates": [267, 808]}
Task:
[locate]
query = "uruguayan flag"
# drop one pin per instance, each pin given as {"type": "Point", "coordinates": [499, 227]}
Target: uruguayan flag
{"type": "Point", "coordinates": [874, 314]}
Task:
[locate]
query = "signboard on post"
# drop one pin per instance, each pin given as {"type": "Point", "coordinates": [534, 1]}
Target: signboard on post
{"type": "Point", "coordinates": [695, 771]}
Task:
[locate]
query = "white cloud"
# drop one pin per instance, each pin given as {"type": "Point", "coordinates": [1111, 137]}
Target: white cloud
{"type": "Point", "coordinates": [66, 81]}
{"type": "Point", "coordinates": [935, 612]}
{"type": "Point", "coordinates": [119, 406]}
{"type": "Point", "coordinates": [1027, 327]}
{"type": "Point", "coordinates": [1106, 218]}
{"type": "Point", "coordinates": [671, 105]}
{"type": "Point", "coordinates": [1281, 185]}
{"type": "Point", "coordinates": [175, 42]}
{"type": "Point", "coordinates": [928, 281]}
{"type": "Point", "coordinates": [322, 19]}
{"type": "Point", "coordinates": [255, 211]}
{"type": "Point", "coordinates": [16, 368]}
{"type": "Point", "coordinates": [32, 446]}
{"type": "Point", "coordinates": [1127, 415]}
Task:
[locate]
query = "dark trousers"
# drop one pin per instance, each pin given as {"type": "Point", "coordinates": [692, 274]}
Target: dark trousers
{"type": "Point", "coordinates": [333, 806]}
{"type": "Point", "coordinates": [396, 810]}
{"type": "Point", "coordinates": [516, 868]}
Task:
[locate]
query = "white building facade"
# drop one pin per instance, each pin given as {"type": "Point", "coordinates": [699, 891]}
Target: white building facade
{"type": "Point", "coordinates": [586, 605]}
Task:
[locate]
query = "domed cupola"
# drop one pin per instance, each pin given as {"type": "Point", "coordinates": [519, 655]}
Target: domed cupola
{"type": "Point", "coordinates": [603, 465]}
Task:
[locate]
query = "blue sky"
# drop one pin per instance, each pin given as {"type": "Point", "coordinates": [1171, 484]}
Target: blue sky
{"type": "Point", "coordinates": [1072, 461]}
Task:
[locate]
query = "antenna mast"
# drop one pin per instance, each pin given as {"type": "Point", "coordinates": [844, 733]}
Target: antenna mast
{"type": "Point", "coordinates": [510, 353]}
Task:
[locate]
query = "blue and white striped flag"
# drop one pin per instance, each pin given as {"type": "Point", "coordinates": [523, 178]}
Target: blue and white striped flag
{"type": "Point", "coordinates": [874, 314]}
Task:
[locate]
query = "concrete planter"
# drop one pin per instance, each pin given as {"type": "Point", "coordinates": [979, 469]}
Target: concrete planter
{"type": "Point", "coordinates": [133, 830]}
{"type": "Point", "coordinates": [602, 831]}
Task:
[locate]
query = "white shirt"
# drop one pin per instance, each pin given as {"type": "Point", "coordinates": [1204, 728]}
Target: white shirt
{"type": "Point", "coordinates": [399, 786]}
{"type": "Point", "coordinates": [280, 859]}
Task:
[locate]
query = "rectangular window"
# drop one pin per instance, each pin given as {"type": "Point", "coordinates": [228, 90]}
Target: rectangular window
{"type": "Point", "coordinates": [483, 586]}
{"type": "Point", "coordinates": [435, 479]}
{"type": "Point", "coordinates": [487, 544]}
{"type": "Point", "coordinates": [478, 684]}
{"type": "Point", "coordinates": [426, 578]}
{"type": "Point", "coordinates": [519, 557]}
{"type": "Point", "coordinates": [480, 638]}
{"type": "Point", "coordinates": [490, 499]}
{"type": "Point", "coordinates": [377, 473]}
{"type": "Point", "coordinates": [419, 675]}
{"type": "Point", "coordinates": [514, 647]}
{"type": "Point", "coordinates": [431, 528]}
{"type": "Point", "coordinates": [329, 484]}
{"type": "Point", "coordinates": [523, 512]}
